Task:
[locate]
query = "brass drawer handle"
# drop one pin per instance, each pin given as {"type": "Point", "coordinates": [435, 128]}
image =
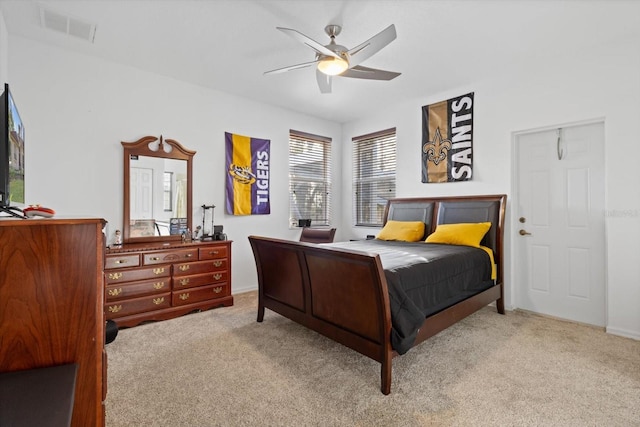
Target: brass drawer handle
{"type": "Point", "coordinates": [188, 255]}
{"type": "Point", "coordinates": [184, 296]}
{"type": "Point", "coordinates": [115, 276]}
{"type": "Point", "coordinates": [214, 252]}
{"type": "Point", "coordinates": [121, 261]}
{"type": "Point", "coordinates": [157, 301]}
{"type": "Point", "coordinates": [114, 308]}
{"type": "Point", "coordinates": [217, 276]}
{"type": "Point", "coordinates": [158, 285]}
{"type": "Point", "coordinates": [217, 263]}
{"type": "Point", "coordinates": [158, 270]}
{"type": "Point", "coordinates": [115, 292]}
{"type": "Point", "coordinates": [184, 282]}
{"type": "Point", "coordinates": [217, 290]}
{"type": "Point", "coordinates": [154, 258]}
{"type": "Point", "coordinates": [184, 267]}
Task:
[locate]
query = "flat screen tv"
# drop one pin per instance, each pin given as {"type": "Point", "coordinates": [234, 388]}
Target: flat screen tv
{"type": "Point", "coordinates": [11, 156]}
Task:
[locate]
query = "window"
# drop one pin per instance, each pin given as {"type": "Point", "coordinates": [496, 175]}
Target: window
{"type": "Point", "coordinates": [168, 191]}
{"type": "Point", "coordinates": [309, 178]}
{"type": "Point", "coordinates": [374, 176]}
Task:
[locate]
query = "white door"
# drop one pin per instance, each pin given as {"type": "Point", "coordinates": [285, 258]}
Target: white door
{"type": "Point", "coordinates": [141, 191]}
{"type": "Point", "coordinates": [559, 223]}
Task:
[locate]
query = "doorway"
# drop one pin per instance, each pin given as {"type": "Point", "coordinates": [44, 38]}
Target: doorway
{"type": "Point", "coordinates": [141, 184]}
{"type": "Point", "coordinates": [559, 233]}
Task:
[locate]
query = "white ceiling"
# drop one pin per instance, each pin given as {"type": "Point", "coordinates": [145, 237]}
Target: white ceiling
{"type": "Point", "coordinates": [228, 44]}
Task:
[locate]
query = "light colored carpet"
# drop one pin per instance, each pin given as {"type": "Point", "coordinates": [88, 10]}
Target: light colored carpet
{"type": "Point", "coordinates": [222, 368]}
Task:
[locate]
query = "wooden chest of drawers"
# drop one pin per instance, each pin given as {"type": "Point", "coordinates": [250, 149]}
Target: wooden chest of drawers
{"type": "Point", "coordinates": [51, 299]}
{"type": "Point", "coordinates": [145, 282]}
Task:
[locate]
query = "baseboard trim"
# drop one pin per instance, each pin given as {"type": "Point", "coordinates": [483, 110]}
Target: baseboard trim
{"type": "Point", "coordinates": [243, 289]}
{"type": "Point", "coordinates": [623, 333]}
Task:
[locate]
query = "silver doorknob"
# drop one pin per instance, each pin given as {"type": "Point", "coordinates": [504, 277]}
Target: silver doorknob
{"type": "Point", "coordinates": [524, 233]}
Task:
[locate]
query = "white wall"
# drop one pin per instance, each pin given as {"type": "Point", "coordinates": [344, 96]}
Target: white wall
{"type": "Point", "coordinates": [4, 51]}
{"type": "Point", "coordinates": [602, 83]}
{"type": "Point", "coordinates": [77, 109]}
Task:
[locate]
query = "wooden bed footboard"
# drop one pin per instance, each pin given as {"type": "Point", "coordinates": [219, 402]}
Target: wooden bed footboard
{"type": "Point", "coordinates": [340, 294]}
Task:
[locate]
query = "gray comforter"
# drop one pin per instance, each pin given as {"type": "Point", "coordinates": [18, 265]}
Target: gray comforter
{"type": "Point", "coordinates": [424, 278]}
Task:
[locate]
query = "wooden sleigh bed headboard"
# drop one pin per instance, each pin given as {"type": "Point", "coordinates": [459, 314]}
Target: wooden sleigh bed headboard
{"type": "Point", "coordinates": [451, 210]}
{"type": "Point", "coordinates": [344, 295]}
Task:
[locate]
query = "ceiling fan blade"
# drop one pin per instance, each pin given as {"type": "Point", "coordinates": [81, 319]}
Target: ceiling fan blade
{"type": "Point", "coordinates": [324, 82]}
{"type": "Point", "coordinates": [320, 49]}
{"type": "Point", "coordinates": [367, 49]}
{"type": "Point", "coordinates": [291, 67]}
{"type": "Point", "coordinates": [360, 72]}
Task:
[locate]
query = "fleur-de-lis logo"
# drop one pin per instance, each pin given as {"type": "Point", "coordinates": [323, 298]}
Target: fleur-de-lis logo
{"type": "Point", "coordinates": [437, 149]}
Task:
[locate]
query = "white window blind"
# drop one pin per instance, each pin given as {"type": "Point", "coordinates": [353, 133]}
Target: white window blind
{"type": "Point", "coordinates": [374, 176]}
{"type": "Point", "coordinates": [309, 178]}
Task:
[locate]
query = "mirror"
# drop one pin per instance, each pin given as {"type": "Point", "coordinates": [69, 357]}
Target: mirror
{"type": "Point", "coordinates": [157, 190]}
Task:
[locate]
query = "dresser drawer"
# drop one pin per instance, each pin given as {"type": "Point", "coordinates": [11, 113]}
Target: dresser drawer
{"type": "Point", "coordinates": [137, 305]}
{"type": "Point", "coordinates": [119, 276]}
{"type": "Point", "coordinates": [190, 268]}
{"type": "Point", "coordinates": [164, 257]}
{"type": "Point", "coordinates": [199, 279]}
{"type": "Point", "coordinates": [190, 296]}
{"type": "Point", "coordinates": [122, 261]}
{"type": "Point", "coordinates": [213, 252]}
{"type": "Point", "coordinates": [136, 289]}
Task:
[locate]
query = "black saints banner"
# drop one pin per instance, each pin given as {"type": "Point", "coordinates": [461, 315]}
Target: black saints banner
{"type": "Point", "coordinates": [447, 140]}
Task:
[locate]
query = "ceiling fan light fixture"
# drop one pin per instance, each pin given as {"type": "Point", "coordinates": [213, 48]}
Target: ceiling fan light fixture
{"type": "Point", "coordinates": [336, 60]}
{"type": "Point", "coordinates": [332, 66]}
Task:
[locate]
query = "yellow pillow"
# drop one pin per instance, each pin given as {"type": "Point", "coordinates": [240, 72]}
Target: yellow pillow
{"type": "Point", "coordinates": [407, 231]}
{"type": "Point", "coordinates": [467, 234]}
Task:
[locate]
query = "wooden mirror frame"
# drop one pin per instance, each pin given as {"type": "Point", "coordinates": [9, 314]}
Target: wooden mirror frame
{"type": "Point", "coordinates": [141, 147]}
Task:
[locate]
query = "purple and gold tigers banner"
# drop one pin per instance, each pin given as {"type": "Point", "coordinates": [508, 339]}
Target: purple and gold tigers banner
{"type": "Point", "coordinates": [447, 140]}
{"type": "Point", "coordinates": [247, 175]}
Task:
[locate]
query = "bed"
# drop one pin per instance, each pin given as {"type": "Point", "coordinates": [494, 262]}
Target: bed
{"type": "Point", "coordinates": [383, 297]}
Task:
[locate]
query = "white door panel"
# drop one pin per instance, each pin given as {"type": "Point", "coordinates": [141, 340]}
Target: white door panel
{"type": "Point", "coordinates": [560, 211]}
{"type": "Point", "coordinates": [141, 190]}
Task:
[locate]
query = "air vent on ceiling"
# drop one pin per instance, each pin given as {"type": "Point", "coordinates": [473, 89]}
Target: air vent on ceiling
{"type": "Point", "coordinates": [67, 25]}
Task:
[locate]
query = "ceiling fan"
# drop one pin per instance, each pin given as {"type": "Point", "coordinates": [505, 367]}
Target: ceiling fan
{"type": "Point", "coordinates": [336, 60]}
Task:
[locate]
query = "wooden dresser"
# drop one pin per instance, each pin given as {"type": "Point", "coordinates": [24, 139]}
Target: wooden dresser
{"type": "Point", "coordinates": [51, 305]}
{"type": "Point", "coordinates": [159, 281]}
